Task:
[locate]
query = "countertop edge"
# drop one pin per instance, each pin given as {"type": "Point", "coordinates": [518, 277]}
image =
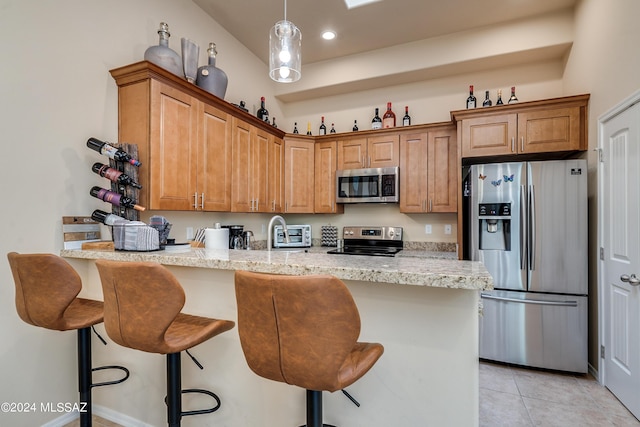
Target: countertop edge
{"type": "Point", "coordinates": [438, 273]}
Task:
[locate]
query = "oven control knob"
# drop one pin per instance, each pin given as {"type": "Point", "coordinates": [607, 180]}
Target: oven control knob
{"type": "Point", "coordinates": [391, 233]}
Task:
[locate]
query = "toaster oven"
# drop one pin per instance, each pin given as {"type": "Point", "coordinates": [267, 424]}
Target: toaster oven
{"type": "Point", "coordinates": [299, 236]}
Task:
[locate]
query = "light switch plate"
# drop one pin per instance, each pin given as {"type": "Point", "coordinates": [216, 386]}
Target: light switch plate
{"type": "Point", "coordinates": [190, 234]}
{"type": "Point", "coordinates": [427, 229]}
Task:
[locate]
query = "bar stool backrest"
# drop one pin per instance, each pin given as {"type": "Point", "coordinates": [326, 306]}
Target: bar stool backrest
{"type": "Point", "coordinates": [296, 329]}
{"type": "Point", "coordinates": [141, 300]}
{"type": "Point", "coordinates": [45, 287]}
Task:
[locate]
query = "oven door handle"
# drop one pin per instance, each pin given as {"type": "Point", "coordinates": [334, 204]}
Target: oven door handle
{"type": "Point", "coordinates": [530, 301]}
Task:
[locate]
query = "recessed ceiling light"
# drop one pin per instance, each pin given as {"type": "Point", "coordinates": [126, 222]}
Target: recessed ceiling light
{"type": "Point", "coordinates": [328, 35]}
{"type": "Point", "coordinates": [357, 3]}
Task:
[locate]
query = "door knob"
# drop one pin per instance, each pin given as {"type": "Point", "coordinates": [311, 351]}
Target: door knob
{"type": "Point", "coordinates": [632, 280]}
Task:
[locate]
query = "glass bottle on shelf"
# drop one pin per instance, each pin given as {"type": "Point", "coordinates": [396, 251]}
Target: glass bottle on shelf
{"type": "Point", "coordinates": [333, 128]}
{"type": "Point", "coordinates": [295, 127]}
{"type": "Point", "coordinates": [323, 128]}
{"type": "Point", "coordinates": [376, 123]}
{"type": "Point", "coordinates": [471, 100]}
{"type": "Point", "coordinates": [162, 55]}
{"type": "Point", "coordinates": [499, 101]}
{"type": "Point", "coordinates": [211, 78]}
{"type": "Point", "coordinates": [389, 118]}
{"type": "Point", "coordinates": [406, 120]}
{"type": "Point", "coordinates": [487, 101]}
{"type": "Point", "coordinates": [263, 113]}
{"type": "Point", "coordinates": [513, 98]}
{"type": "Point", "coordinates": [355, 126]}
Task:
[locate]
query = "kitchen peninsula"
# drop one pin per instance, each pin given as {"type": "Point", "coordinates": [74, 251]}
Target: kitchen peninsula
{"type": "Point", "coordinates": [423, 310]}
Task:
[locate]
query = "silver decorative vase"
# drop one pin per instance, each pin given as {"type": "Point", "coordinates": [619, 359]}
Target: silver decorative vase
{"type": "Point", "coordinates": [190, 53]}
{"type": "Point", "coordinates": [162, 55]}
{"type": "Point", "coordinates": [211, 78]}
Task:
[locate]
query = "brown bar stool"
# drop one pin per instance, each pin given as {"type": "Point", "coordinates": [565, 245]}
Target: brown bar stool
{"type": "Point", "coordinates": [46, 295]}
{"type": "Point", "coordinates": [142, 303]}
{"type": "Point", "coordinates": [303, 331]}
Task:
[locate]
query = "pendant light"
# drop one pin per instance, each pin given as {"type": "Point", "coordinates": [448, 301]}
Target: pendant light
{"type": "Point", "coordinates": [285, 51]}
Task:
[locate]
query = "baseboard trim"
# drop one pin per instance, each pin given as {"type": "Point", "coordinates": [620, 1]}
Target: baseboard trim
{"type": "Point", "coordinates": [101, 411]}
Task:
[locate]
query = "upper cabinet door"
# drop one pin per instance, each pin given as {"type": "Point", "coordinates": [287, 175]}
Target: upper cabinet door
{"type": "Point", "coordinates": [299, 176]}
{"type": "Point", "coordinates": [549, 130]}
{"type": "Point", "coordinates": [489, 135]}
{"type": "Point", "coordinates": [383, 151]}
{"type": "Point", "coordinates": [352, 153]}
{"type": "Point", "coordinates": [442, 171]}
{"type": "Point", "coordinates": [214, 160]}
{"type": "Point", "coordinates": [173, 148]}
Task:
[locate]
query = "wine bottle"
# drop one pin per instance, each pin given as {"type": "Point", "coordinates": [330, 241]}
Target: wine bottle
{"type": "Point", "coordinates": [114, 198]}
{"type": "Point", "coordinates": [355, 126]}
{"type": "Point", "coordinates": [376, 123]}
{"type": "Point", "coordinates": [499, 101]}
{"type": "Point", "coordinates": [114, 175]}
{"type": "Point", "coordinates": [295, 127]}
{"type": "Point", "coordinates": [513, 99]}
{"type": "Point", "coordinates": [262, 113]}
{"type": "Point", "coordinates": [105, 217]}
{"type": "Point", "coordinates": [309, 128]}
{"type": "Point", "coordinates": [406, 120]}
{"type": "Point", "coordinates": [333, 128]}
{"type": "Point", "coordinates": [471, 100]}
{"type": "Point", "coordinates": [111, 152]}
{"type": "Point", "coordinates": [274, 122]}
{"type": "Point", "coordinates": [323, 128]}
{"type": "Point", "coordinates": [389, 118]}
{"type": "Point", "coordinates": [487, 101]}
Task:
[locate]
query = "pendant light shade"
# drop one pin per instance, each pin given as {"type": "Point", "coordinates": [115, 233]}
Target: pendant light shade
{"type": "Point", "coordinates": [285, 51]}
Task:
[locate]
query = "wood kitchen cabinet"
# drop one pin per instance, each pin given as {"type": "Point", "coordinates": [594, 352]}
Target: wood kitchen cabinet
{"type": "Point", "coordinates": [256, 170]}
{"type": "Point", "coordinates": [185, 138]}
{"type": "Point", "coordinates": [556, 125]}
{"type": "Point", "coordinates": [326, 163]}
{"type": "Point", "coordinates": [369, 152]}
{"type": "Point", "coordinates": [185, 143]}
{"type": "Point", "coordinates": [299, 175]}
{"type": "Point", "coordinates": [428, 171]}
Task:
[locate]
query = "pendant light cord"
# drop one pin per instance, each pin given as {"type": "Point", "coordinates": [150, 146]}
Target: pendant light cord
{"type": "Point", "coordinates": [285, 10]}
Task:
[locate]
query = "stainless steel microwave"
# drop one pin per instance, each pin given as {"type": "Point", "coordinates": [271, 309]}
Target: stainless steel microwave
{"type": "Point", "coordinates": [373, 185]}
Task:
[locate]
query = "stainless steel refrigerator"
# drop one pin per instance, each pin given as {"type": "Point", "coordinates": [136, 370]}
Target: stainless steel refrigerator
{"type": "Point", "coordinates": [527, 222]}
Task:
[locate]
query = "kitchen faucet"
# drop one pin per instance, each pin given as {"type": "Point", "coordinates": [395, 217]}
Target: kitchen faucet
{"type": "Point", "coordinates": [270, 228]}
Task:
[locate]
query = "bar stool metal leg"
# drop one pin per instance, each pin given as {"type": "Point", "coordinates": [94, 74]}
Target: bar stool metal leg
{"type": "Point", "coordinates": [84, 375]}
{"type": "Point", "coordinates": [174, 390]}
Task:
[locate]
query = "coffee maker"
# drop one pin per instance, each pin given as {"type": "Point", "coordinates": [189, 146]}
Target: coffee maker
{"type": "Point", "coordinates": [236, 238]}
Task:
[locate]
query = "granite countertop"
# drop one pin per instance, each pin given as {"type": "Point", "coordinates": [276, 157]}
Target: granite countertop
{"type": "Point", "coordinates": [400, 270]}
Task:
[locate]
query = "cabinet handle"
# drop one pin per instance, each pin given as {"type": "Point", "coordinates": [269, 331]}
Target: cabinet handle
{"type": "Point", "coordinates": [522, 144]}
{"type": "Point", "coordinates": [513, 144]}
{"type": "Point", "coordinates": [202, 201]}
{"type": "Point", "coordinates": [430, 207]}
{"type": "Point", "coordinates": [257, 204]}
{"type": "Point", "coordinates": [252, 202]}
{"type": "Point", "coordinates": [195, 200]}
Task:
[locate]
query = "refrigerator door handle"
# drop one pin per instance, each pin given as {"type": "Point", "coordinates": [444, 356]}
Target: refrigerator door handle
{"type": "Point", "coordinates": [531, 301]}
{"type": "Point", "coordinates": [523, 227]}
{"type": "Point", "coordinates": [532, 227]}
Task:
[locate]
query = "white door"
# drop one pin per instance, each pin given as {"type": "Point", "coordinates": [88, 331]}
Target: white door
{"type": "Point", "coordinates": [619, 139]}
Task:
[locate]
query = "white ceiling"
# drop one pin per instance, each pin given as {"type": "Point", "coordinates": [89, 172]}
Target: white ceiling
{"type": "Point", "coordinates": [377, 25]}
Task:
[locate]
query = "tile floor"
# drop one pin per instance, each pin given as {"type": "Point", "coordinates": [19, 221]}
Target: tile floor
{"type": "Point", "coordinates": [518, 397]}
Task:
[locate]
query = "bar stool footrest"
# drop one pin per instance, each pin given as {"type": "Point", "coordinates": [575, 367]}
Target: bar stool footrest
{"type": "Point", "coordinates": [103, 368]}
{"type": "Point", "coordinates": [200, 411]}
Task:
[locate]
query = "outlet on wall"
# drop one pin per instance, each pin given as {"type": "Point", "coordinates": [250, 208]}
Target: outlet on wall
{"type": "Point", "coordinates": [427, 229]}
{"type": "Point", "coordinates": [190, 234]}
{"type": "Point", "coordinates": [447, 229]}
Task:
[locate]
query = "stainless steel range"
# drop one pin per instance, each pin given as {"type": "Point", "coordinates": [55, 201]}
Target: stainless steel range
{"type": "Point", "coordinates": [375, 241]}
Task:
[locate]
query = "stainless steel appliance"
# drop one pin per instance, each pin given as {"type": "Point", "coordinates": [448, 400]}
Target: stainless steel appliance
{"type": "Point", "coordinates": [299, 236]}
{"type": "Point", "coordinates": [373, 185]}
{"type": "Point", "coordinates": [527, 222]}
{"type": "Point", "coordinates": [376, 241]}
